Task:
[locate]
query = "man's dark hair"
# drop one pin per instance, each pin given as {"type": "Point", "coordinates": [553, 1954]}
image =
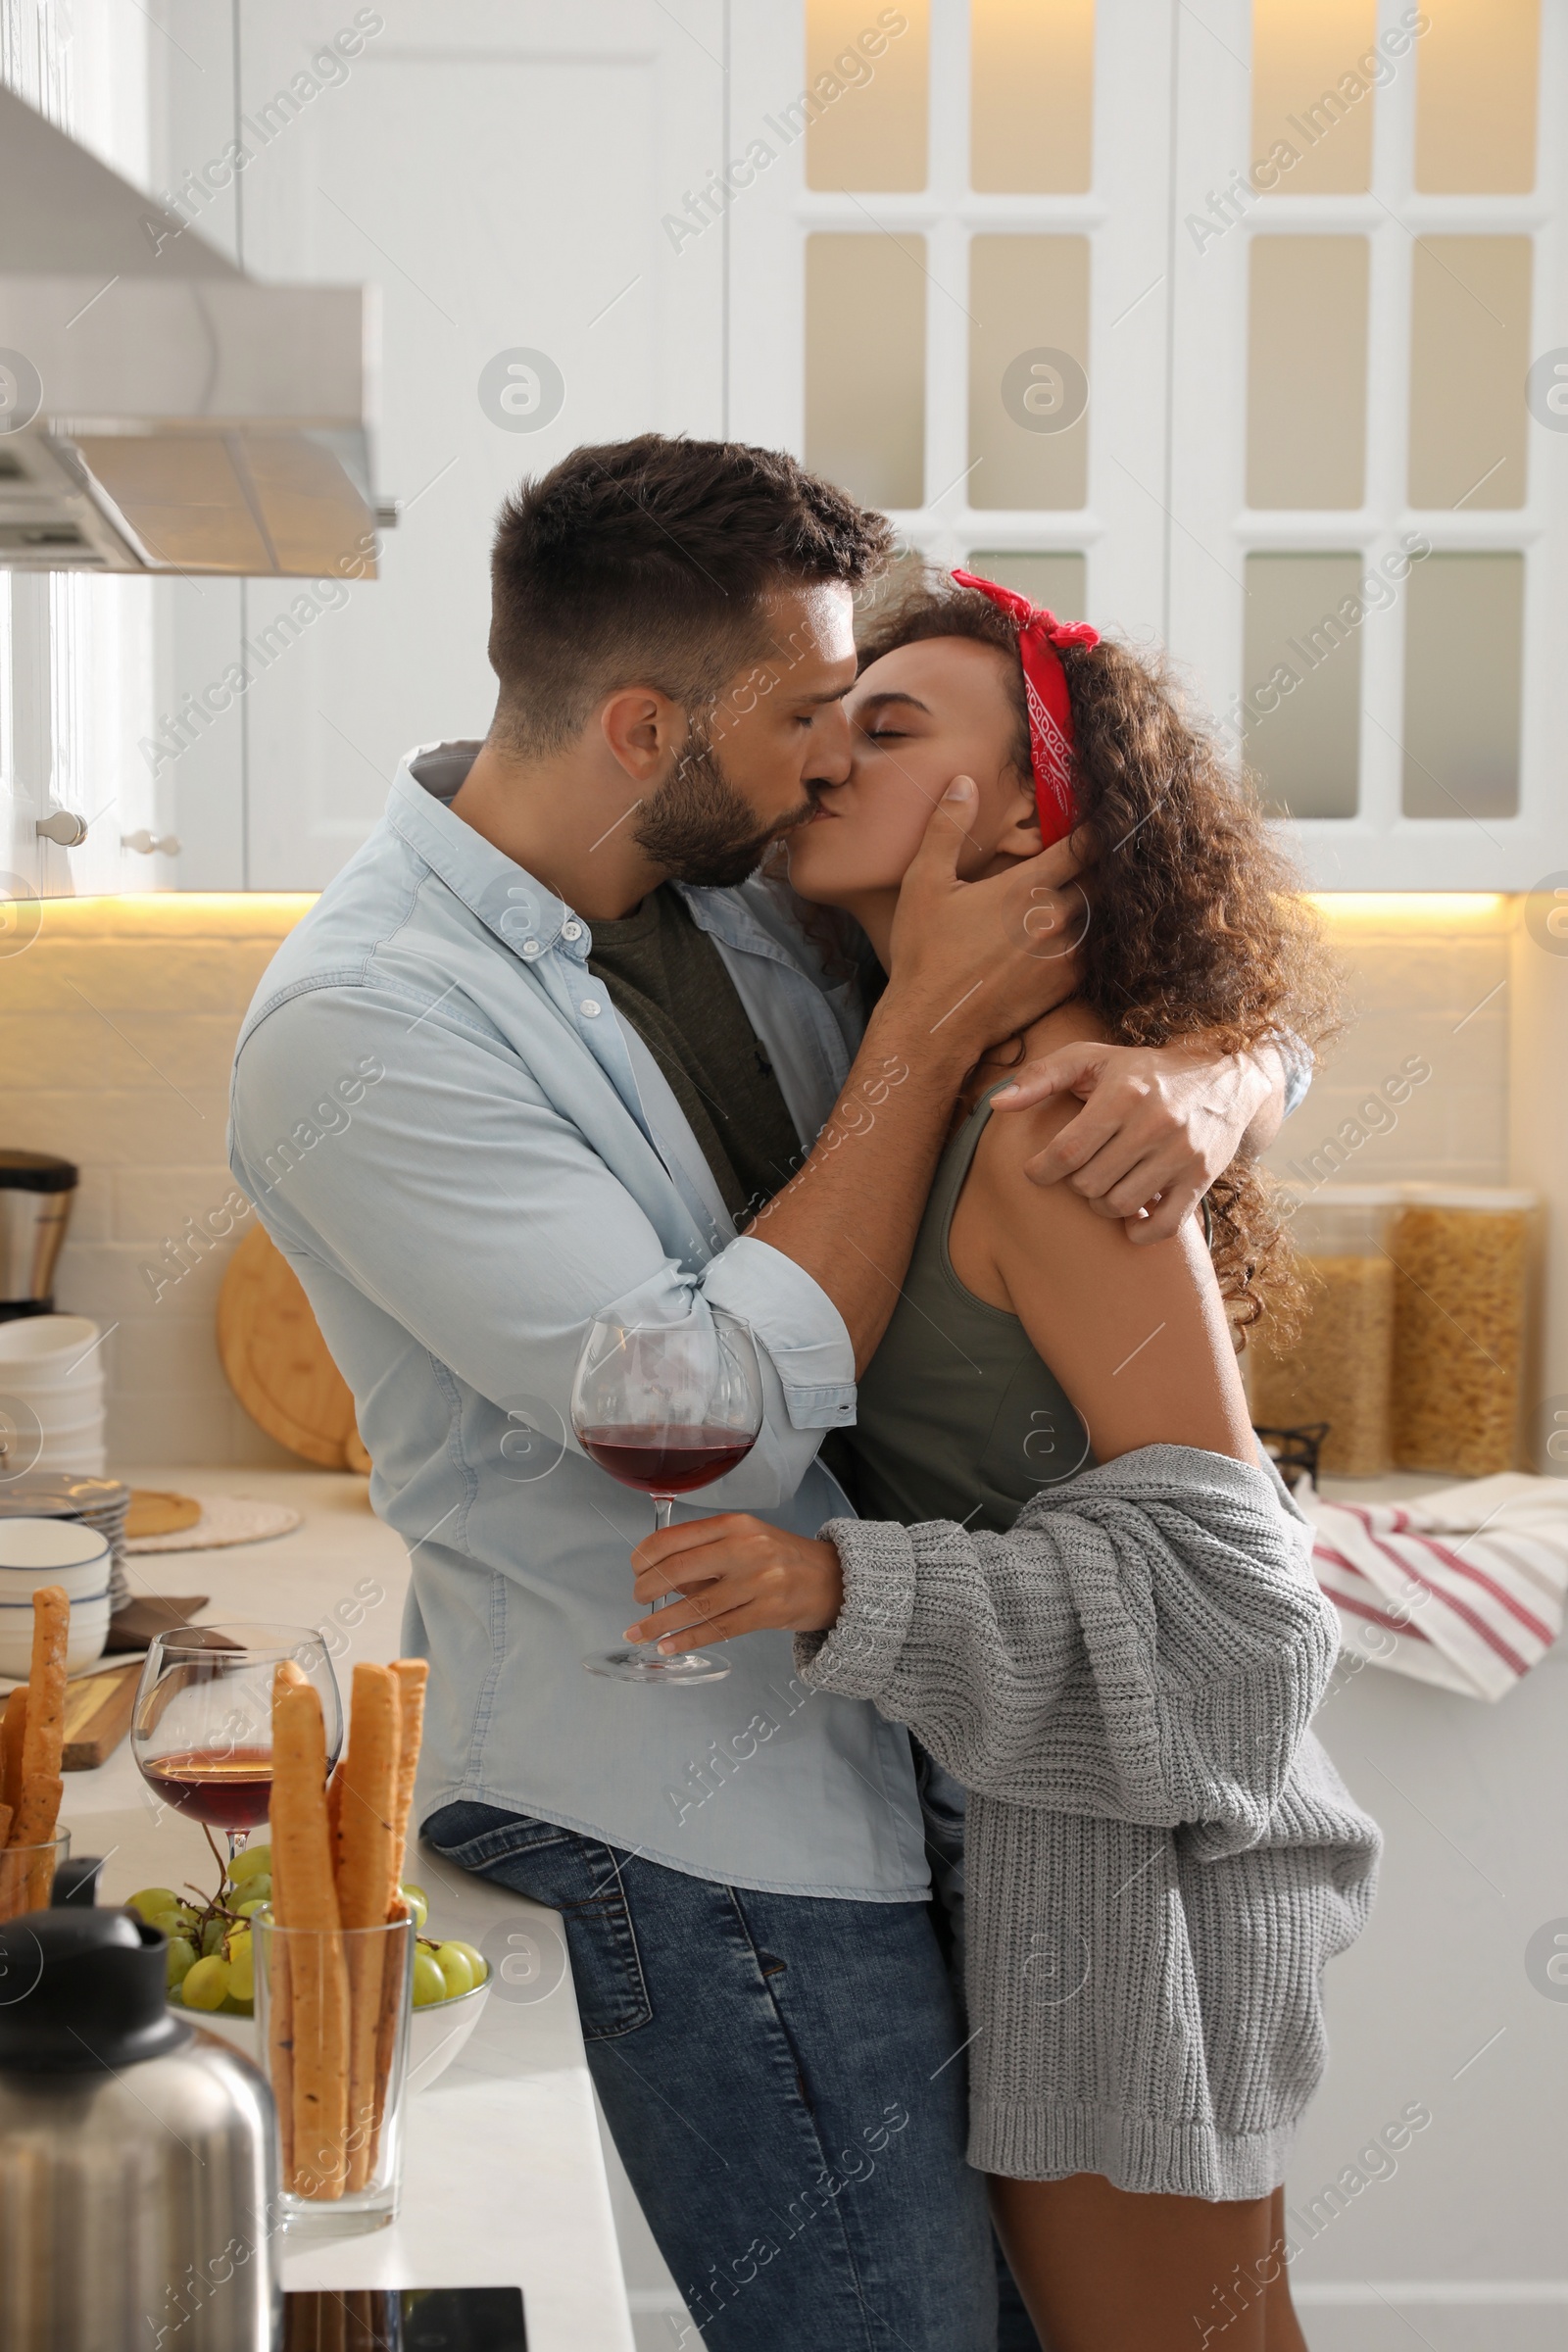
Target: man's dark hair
{"type": "Point", "coordinates": [647, 563]}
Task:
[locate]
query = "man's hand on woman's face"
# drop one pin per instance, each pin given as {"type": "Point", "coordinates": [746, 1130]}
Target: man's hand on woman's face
{"type": "Point", "coordinates": [1157, 1126]}
{"type": "Point", "coordinates": [736, 1575]}
{"type": "Point", "coordinates": [982, 959]}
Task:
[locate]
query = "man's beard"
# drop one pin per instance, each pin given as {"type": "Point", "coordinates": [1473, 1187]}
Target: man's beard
{"type": "Point", "coordinates": [698, 828]}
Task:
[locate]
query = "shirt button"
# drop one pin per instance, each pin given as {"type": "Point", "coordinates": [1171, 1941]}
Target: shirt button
{"type": "Point", "coordinates": [571, 930]}
{"type": "Point", "coordinates": [589, 1005]}
{"type": "Point", "coordinates": [531, 946]}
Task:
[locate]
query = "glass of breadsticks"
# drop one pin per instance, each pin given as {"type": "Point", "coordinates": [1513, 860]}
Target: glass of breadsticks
{"type": "Point", "coordinates": [336, 1949]}
{"type": "Point", "coordinates": [32, 1735]}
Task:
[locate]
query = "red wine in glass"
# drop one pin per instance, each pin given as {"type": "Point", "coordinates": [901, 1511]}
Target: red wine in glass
{"type": "Point", "coordinates": [665, 1461]}
{"type": "Point", "coordinates": [200, 1732]}
{"type": "Point", "coordinates": [666, 1408]}
{"type": "Point", "coordinates": [228, 1792]}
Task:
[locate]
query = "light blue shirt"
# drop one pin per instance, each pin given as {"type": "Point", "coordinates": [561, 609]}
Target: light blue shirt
{"type": "Point", "coordinates": [466, 1155]}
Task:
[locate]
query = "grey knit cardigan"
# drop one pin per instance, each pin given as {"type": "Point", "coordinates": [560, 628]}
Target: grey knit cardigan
{"type": "Point", "coordinates": [1160, 1856]}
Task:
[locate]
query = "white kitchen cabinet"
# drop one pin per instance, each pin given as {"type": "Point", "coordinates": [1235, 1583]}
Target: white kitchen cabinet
{"type": "Point", "coordinates": [1461, 444]}
{"type": "Point", "coordinates": [77, 653]}
{"type": "Point", "coordinates": [500, 172]}
{"type": "Point", "coordinates": [883, 246]}
{"type": "Point", "coordinates": [1456, 2242]}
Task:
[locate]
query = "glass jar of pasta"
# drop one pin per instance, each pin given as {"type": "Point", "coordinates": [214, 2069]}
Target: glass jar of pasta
{"type": "Point", "coordinates": [1462, 1258]}
{"type": "Point", "coordinates": [1338, 1368]}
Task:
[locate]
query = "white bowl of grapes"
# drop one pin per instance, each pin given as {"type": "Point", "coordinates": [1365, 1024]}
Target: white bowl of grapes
{"type": "Point", "coordinates": [212, 1964]}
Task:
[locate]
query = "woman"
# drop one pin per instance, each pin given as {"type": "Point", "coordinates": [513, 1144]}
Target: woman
{"type": "Point", "coordinates": [1074, 1581]}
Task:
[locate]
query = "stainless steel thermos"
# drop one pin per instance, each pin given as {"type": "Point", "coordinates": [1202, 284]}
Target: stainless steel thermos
{"type": "Point", "coordinates": [138, 2155]}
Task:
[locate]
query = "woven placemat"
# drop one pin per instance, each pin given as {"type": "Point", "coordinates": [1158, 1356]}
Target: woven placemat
{"type": "Point", "coordinates": [224, 1519]}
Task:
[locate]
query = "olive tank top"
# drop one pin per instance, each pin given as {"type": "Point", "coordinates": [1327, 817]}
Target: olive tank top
{"type": "Point", "coordinates": [958, 1418]}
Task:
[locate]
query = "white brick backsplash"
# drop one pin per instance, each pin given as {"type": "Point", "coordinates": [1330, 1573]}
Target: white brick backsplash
{"type": "Point", "coordinates": [136, 976]}
{"type": "Point", "coordinates": [186, 1427]}
{"type": "Point", "coordinates": [116, 1030]}
{"type": "Point", "coordinates": [1437, 991]}
{"type": "Point", "coordinates": [167, 1351]}
{"type": "Point", "coordinates": [116, 1027]}
{"type": "Point", "coordinates": [151, 1205]}
{"type": "Point", "coordinates": [122, 1127]}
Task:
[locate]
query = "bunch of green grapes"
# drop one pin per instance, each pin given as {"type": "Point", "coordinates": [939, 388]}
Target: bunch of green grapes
{"type": "Point", "coordinates": [212, 1958]}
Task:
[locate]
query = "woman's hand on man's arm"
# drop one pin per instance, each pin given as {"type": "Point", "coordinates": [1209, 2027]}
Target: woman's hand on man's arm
{"type": "Point", "coordinates": [1158, 1123]}
{"type": "Point", "coordinates": [736, 1575]}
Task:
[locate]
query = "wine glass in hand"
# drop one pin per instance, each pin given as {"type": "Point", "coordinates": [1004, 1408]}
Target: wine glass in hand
{"type": "Point", "coordinates": [202, 1729]}
{"type": "Point", "coordinates": [667, 1407]}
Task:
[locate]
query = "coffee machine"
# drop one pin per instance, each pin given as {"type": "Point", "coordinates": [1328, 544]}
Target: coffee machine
{"type": "Point", "coordinates": [36, 1191]}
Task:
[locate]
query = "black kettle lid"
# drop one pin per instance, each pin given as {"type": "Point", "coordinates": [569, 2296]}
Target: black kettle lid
{"type": "Point", "coordinates": [81, 1990]}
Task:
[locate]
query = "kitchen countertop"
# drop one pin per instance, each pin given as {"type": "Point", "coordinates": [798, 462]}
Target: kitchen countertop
{"type": "Point", "coordinates": [504, 2178]}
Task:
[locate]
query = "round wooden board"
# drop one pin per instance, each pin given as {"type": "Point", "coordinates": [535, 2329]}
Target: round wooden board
{"type": "Point", "coordinates": [276, 1358]}
{"type": "Point", "coordinates": [155, 1512]}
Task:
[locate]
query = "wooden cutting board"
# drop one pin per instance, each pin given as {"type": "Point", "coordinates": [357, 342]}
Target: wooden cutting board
{"type": "Point", "coordinates": [98, 1712]}
{"type": "Point", "coordinates": [276, 1362]}
{"type": "Point", "coordinates": [155, 1512]}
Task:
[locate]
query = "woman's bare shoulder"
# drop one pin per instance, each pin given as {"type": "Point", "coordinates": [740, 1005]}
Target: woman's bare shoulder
{"type": "Point", "coordinates": [1000, 1210]}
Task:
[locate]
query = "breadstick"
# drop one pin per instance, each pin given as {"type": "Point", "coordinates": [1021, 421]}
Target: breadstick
{"type": "Point", "coordinates": [280, 2003]}
{"type": "Point", "coordinates": [318, 1980]}
{"type": "Point", "coordinates": [34, 1824]}
{"type": "Point", "coordinates": [12, 1872]}
{"type": "Point", "coordinates": [46, 1735]}
{"type": "Point", "coordinates": [280, 2046]}
{"type": "Point", "coordinates": [287, 1675]}
{"type": "Point", "coordinates": [411, 1674]}
{"type": "Point", "coordinates": [387, 2026]}
{"type": "Point", "coordinates": [13, 1732]}
{"type": "Point", "coordinates": [369, 1774]}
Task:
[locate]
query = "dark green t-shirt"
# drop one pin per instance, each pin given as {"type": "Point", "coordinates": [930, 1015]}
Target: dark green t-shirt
{"type": "Point", "coordinates": [666, 977]}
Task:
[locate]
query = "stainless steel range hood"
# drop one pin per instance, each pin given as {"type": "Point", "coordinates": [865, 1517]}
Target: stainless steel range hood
{"type": "Point", "coordinates": [159, 411]}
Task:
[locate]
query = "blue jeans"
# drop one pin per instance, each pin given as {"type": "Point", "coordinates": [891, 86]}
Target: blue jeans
{"type": "Point", "coordinates": [781, 2073]}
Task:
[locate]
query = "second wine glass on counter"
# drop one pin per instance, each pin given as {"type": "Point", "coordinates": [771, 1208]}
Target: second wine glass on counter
{"type": "Point", "coordinates": [666, 1408]}
{"type": "Point", "coordinates": [202, 1730]}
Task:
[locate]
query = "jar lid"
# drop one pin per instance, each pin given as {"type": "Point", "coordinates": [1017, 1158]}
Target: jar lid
{"type": "Point", "coordinates": [1486, 1199]}
{"type": "Point", "coordinates": [36, 1172]}
{"type": "Point", "coordinates": [1344, 1196]}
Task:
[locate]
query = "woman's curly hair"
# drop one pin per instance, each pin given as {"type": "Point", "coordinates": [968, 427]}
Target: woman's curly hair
{"type": "Point", "coordinates": [1197, 918]}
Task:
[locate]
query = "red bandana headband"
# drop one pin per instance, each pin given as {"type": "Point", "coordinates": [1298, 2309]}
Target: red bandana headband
{"type": "Point", "coordinates": [1045, 686]}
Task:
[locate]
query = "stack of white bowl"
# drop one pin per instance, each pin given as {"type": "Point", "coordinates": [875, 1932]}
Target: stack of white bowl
{"type": "Point", "coordinates": [52, 1394]}
{"type": "Point", "coordinates": [52, 1551]}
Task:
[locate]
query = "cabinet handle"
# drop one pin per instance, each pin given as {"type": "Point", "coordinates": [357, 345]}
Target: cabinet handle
{"type": "Point", "coordinates": [145, 844]}
{"type": "Point", "coordinates": [65, 826]}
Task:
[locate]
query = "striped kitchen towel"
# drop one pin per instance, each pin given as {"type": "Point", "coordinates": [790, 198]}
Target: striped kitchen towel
{"type": "Point", "coordinates": [1464, 1588]}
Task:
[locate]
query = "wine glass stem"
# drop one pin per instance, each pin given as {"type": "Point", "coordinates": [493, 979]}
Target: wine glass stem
{"type": "Point", "coordinates": [663, 1506]}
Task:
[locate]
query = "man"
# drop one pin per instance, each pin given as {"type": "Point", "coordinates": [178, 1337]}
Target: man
{"type": "Point", "coordinates": [535, 1054]}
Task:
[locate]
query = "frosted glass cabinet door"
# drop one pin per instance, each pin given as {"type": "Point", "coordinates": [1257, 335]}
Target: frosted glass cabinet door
{"type": "Point", "coordinates": [963, 315]}
{"type": "Point", "coordinates": [1031, 100]}
{"type": "Point", "coordinates": [1306, 113]}
{"type": "Point", "coordinates": [1370, 310]}
{"type": "Point", "coordinates": [1307, 371]}
{"type": "Point", "coordinates": [525, 186]}
{"type": "Point", "coordinates": [1469, 355]}
{"type": "Point", "coordinates": [877, 138]}
{"type": "Point", "coordinates": [1029, 368]}
{"type": "Point", "coordinates": [865, 301]}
